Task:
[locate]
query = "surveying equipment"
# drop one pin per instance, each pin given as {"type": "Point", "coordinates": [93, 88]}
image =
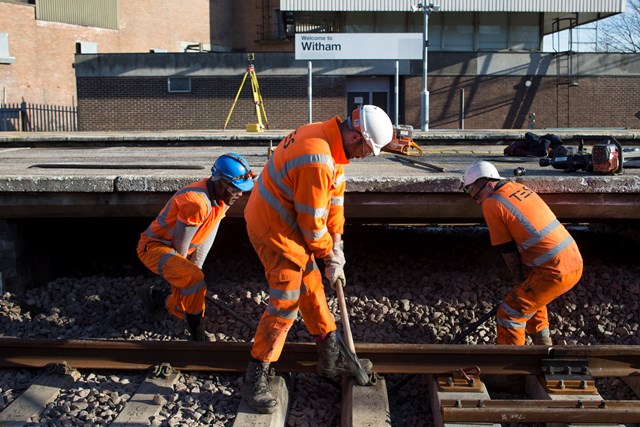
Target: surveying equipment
{"type": "Point", "coordinates": [257, 99]}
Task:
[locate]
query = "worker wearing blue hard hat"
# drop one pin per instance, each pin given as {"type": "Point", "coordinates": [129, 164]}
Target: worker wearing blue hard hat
{"type": "Point", "coordinates": [176, 243]}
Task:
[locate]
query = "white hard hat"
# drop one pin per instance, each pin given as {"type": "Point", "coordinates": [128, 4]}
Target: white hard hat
{"type": "Point", "coordinates": [374, 125]}
{"type": "Point", "coordinates": [479, 170]}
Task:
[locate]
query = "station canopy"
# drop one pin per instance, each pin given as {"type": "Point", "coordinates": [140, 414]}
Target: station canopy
{"type": "Point", "coordinates": [562, 11]}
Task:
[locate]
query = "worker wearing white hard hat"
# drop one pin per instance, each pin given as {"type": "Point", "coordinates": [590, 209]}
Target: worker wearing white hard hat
{"type": "Point", "coordinates": [294, 217]}
{"type": "Point", "coordinates": [541, 255]}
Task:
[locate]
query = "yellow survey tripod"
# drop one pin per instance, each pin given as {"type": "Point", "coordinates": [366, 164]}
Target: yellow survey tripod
{"type": "Point", "coordinates": [257, 99]}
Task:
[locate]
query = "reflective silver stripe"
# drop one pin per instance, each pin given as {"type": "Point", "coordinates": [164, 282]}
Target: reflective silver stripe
{"type": "Point", "coordinates": [512, 312]}
{"type": "Point", "coordinates": [553, 252]}
{"type": "Point", "coordinates": [163, 260]}
{"type": "Point", "coordinates": [337, 201]}
{"type": "Point", "coordinates": [311, 265]}
{"type": "Point", "coordinates": [193, 288]}
{"type": "Point", "coordinates": [516, 212]}
{"type": "Point", "coordinates": [155, 237]}
{"type": "Point", "coordinates": [291, 295]}
{"type": "Point", "coordinates": [339, 179]}
{"type": "Point", "coordinates": [314, 236]}
{"type": "Point", "coordinates": [162, 216]}
{"type": "Point", "coordinates": [536, 236]}
{"type": "Point", "coordinates": [276, 205]}
{"type": "Point", "coordinates": [509, 324]}
{"type": "Point", "coordinates": [284, 314]}
{"type": "Point", "coordinates": [278, 177]}
{"type": "Point", "coordinates": [310, 210]}
{"type": "Point", "coordinates": [541, 234]}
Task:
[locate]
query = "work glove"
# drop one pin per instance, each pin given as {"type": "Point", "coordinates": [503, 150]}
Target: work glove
{"type": "Point", "coordinates": [334, 270]}
{"type": "Point", "coordinates": [338, 251]}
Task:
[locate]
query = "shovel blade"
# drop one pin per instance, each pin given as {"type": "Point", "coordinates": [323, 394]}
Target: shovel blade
{"type": "Point", "coordinates": [360, 374]}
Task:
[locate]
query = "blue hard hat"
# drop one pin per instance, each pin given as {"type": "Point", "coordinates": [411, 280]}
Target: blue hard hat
{"type": "Point", "coordinates": [234, 169]}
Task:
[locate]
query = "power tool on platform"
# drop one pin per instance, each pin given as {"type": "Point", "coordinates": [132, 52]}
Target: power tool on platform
{"type": "Point", "coordinates": [402, 142]}
{"type": "Point", "coordinates": [606, 157]}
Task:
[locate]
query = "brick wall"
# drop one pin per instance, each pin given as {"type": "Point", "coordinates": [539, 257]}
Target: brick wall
{"type": "Point", "coordinates": [44, 51]}
{"type": "Point", "coordinates": [503, 102]}
{"type": "Point", "coordinates": [122, 103]}
{"type": "Point", "coordinates": [499, 102]}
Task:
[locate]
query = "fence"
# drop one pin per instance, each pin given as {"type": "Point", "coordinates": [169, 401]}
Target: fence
{"type": "Point", "coordinates": [38, 118]}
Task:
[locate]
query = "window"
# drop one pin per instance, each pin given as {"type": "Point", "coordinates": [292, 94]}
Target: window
{"type": "Point", "coordinates": [179, 84]}
{"type": "Point", "coordinates": [525, 31]}
{"type": "Point", "coordinates": [492, 31]}
{"type": "Point", "coordinates": [86, 47]}
{"type": "Point", "coordinates": [457, 32]}
{"type": "Point", "coordinates": [316, 22]}
{"type": "Point", "coordinates": [5, 58]}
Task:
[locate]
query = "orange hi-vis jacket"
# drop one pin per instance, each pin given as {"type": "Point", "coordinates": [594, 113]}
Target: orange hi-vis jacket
{"type": "Point", "coordinates": [192, 206]}
{"type": "Point", "coordinates": [514, 212]}
{"type": "Point", "coordinates": [298, 200]}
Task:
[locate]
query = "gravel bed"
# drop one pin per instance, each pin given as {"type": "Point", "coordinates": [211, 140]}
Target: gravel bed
{"type": "Point", "coordinates": [405, 285]}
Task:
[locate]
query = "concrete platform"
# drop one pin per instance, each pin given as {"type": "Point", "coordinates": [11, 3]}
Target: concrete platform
{"type": "Point", "coordinates": [133, 174]}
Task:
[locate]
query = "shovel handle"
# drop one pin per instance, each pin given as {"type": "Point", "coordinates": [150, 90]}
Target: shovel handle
{"type": "Point", "coordinates": [345, 316]}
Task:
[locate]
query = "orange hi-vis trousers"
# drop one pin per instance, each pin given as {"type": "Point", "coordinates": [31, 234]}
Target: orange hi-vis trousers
{"type": "Point", "coordinates": [188, 287]}
{"type": "Point", "coordinates": [291, 288]}
{"type": "Point", "coordinates": [524, 309]}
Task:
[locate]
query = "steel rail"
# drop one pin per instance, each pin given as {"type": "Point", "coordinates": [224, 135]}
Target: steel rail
{"type": "Point", "coordinates": [539, 411]}
{"type": "Point", "coordinates": [604, 361]}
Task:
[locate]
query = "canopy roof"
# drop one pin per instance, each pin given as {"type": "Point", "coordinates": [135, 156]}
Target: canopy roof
{"type": "Point", "coordinates": [584, 11]}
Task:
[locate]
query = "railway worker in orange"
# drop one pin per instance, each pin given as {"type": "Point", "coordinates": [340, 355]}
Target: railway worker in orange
{"type": "Point", "coordinates": [177, 242]}
{"type": "Point", "coordinates": [541, 255]}
{"type": "Point", "coordinates": [294, 216]}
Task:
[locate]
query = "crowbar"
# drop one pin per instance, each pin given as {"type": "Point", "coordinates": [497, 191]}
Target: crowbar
{"type": "Point", "coordinates": [221, 305]}
{"type": "Point", "coordinates": [457, 340]}
{"type": "Point", "coordinates": [349, 348]}
{"type": "Point", "coordinates": [418, 162]}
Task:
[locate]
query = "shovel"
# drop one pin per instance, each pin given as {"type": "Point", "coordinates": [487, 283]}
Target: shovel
{"type": "Point", "coordinates": [348, 348]}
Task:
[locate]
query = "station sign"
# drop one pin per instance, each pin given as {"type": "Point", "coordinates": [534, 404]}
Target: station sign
{"type": "Point", "coordinates": [395, 46]}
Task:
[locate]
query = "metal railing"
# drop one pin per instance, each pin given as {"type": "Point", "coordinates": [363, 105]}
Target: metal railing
{"type": "Point", "coordinates": [25, 117]}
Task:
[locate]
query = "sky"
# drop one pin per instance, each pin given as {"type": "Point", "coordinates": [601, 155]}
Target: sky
{"type": "Point", "coordinates": [582, 39]}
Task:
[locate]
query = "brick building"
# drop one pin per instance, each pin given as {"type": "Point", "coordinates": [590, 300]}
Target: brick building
{"type": "Point", "coordinates": [486, 67]}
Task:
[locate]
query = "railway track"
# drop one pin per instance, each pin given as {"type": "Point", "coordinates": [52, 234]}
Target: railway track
{"type": "Point", "coordinates": [414, 291]}
{"type": "Point", "coordinates": [560, 382]}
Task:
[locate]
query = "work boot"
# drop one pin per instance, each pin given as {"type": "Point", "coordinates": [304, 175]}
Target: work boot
{"type": "Point", "coordinates": [256, 388]}
{"type": "Point", "coordinates": [196, 327]}
{"type": "Point", "coordinates": [542, 337]}
{"type": "Point", "coordinates": [331, 360]}
{"type": "Point", "coordinates": [153, 300]}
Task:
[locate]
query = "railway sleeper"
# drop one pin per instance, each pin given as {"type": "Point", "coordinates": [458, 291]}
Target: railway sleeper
{"type": "Point", "coordinates": [44, 389]}
{"type": "Point", "coordinates": [148, 400]}
{"type": "Point", "coordinates": [451, 404]}
{"type": "Point", "coordinates": [460, 397]}
{"type": "Point", "coordinates": [361, 405]}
